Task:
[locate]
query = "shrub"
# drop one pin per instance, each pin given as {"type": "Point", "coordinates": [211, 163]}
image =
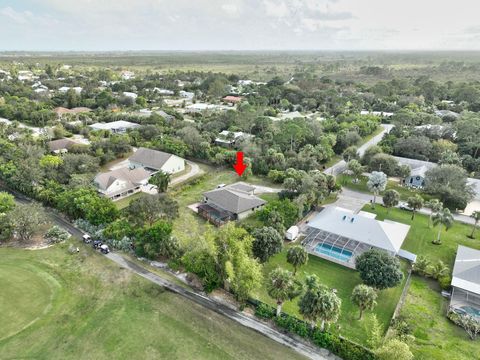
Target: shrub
{"type": "Point", "coordinates": [56, 234]}
{"type": "Point", "coordinates": [445, 282]}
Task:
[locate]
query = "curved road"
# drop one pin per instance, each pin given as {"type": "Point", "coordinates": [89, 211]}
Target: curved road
{"type": "Point", "coordinates": [194, 171]}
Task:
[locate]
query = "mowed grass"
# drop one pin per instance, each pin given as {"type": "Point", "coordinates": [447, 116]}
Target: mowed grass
{"type": "Point", "coordinates": [125, 202]}
{"type": "Point", "coordinates": [436, 337]}
{"type": "Point", "coordinates": [101, 311]}
{"type": "Point", "coordinates": [420, 236]}
{"type": "Point", "coordinates": [344, 280]}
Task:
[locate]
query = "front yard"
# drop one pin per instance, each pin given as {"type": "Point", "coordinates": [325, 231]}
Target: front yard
{"type": "Point", "coordinates": [344, 280]}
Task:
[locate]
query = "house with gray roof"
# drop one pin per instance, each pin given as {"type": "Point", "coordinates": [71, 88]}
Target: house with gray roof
{"type": "Point", "coordinates": [229, 203]}
{"type": "Point", "coordinates": [418, 169]}
{"type": "Point", "coordinates": [120, 183]}
{"type": "Point", "coordinates": [465, 298]}
{"type": "Point", "coordinates": [339, 235]}
{"type": "Point", "coordinates": [61, 146]}
{"type": "Point", "coordinates": [154, 161]}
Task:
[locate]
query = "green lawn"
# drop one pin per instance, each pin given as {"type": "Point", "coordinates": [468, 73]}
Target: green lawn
{"type": "Point", "coordinates": [344, 280]}
{"type": "Point", "coordinates": [420, 236]}
{"type": "Point", "coordinates": [123, 203]}
{"type": "Point", "coordinates": [405, 192]}
{"type": "Point", "coordinates": [436, 337]}
{"type": "Point", "coordinates": [83, 306]}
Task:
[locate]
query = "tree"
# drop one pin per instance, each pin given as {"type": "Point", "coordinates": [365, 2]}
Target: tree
{"type": "Point", "coordinates": [297, 256]}
{"type": "Point", "coordinates": [364, 297]}
{"type": "Point", "coordinates": [281, 287]}
{"type": "Point", "coordinates": [161, 180]}
{"type": "Point", "coordinates": [150, 208]}
{"type": "Point", "coordinates": [394, 349]}
{"type": "Point", "coordinates": [7, 202]}
{"type": "Point", "coordinates": [443, 217]}
{"type": "Point", "coordinates": [449, 184]}
{"type": "Point", "coordinates": [435, 206]}
{"type": "Point", "coordinates": [156, 240]}
{"type": "Point", "coordinates": [350, 153]}
{"type": "Point", "coordinates": [319, 303]}
{"type": "Point", "coordinates": [391, 198]}
{"type": "Point", "coordinates": [377, 181]}
{"type": "Point", "coordinates": [26, 219]}
{"type": "Point", "coordinates": [415, 203]}
{"type": "Point", "coordinates": [475, 216]}
{"type": "Point", "coordinates": [379, 269]}
{"type": "Point", "coordinates": [376, 333]}
{"type": "Point", "coordinates": [356, 169]}
{"type": "Point", "coordinates": [438, 270]}
{"type": "Point", "coordinates": [421, 266]}
{"type": "Point", "coordinates": [267, 242]}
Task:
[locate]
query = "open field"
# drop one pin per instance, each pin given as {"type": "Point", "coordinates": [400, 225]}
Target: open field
{"type": "Point", "coordinates": [344, 280]}
{"type": "Point", "coordinates": [420, 236]}
{"type": "Point", "coordinates": [436, 337]}
{"type": "Point", "coordinates": [84, 307]}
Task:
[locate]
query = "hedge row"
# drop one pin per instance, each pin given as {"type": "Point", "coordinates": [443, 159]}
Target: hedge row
{"type": "Point", "coordinates": [339, 346]}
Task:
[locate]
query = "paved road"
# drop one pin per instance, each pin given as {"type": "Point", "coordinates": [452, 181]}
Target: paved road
{"type": "Point", "coordinates": [194, 171]}
{"type": "Point", "coordinates": [340, 166]}
{"type": "Point", "coordinates": [309, 351]}
{"type": "Point", "coordinates": [355, 200]}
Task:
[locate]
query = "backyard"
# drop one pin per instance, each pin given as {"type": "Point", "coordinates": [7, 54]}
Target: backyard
{"type": "Point", "coordinates": [343, 280]}
{"type": "Point", "coordinates": [81, 306]}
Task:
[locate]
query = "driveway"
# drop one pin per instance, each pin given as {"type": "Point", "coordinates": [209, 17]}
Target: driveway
{"type": "Point", "coordinates": [341, 166]}
{"type": "Point", "coordinates": [194, 171]}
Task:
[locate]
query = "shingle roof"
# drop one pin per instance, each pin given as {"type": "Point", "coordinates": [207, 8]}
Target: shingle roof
{"type": "Point", "coordinates": [232, 198]}
{"type": "Point", "coordinates": [150, 158]}
{"type": "Point", "coordinates": [466, 271]}
{"type": "Point", "coordinates": [418, 167]}
{"type": "Point", "coordinates": [386, 235]}
{"type": "Point", "coordinates": [133, 177]}
{"type": "Point", "coordinates": [61, 144]}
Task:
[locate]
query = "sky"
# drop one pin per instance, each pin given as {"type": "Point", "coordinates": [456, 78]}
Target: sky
{"type": "Point", "coordinates": [109, 25]}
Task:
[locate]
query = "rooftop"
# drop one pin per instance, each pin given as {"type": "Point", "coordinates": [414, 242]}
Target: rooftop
{"type": "Point", "coordinates": [150, 158]}
{"type": "Point", "coordinates": [466, 271]}
{"type": "Point", "coordinates": [135, 177]}
{"type": "Point", "coordinates": [236, 198]}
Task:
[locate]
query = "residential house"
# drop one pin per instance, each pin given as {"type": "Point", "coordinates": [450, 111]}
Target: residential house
{"type": "Point", "coordinates": [130, 95]}
{"type": "Point", "coordinates": [154, 161]}
{"type": "Point", "coordinates": [116, 127]}
{"type": "Point", "coordinates": [339, 235]}
{"type": "Point", "coordinates": [232, 99]}
{"type": "Point", "coordinates": [186, 94]}
{"type": "Point", "coordinates": [127, 75]}
{"type": "Point", "coordinates": [418, 168]}
{"type": "Point", "coordinates": [165, 92]}
{"type": "Point", "coordinates": [25, 75]}
{"type": "Point", "coordinates": [61, 146]}
{"type": "Point", "coordinates": [64, 89]}
{"type": "Point", "coordinates": [377, 113]}
{"type": "Point", "coordinates": [229, 203]}
{"type": "Point", "coordinates": [231, 138]}
{"type": "Point", "coordinates": [120, 183]}
{"type": "Point", "coordinates": [465, 298]}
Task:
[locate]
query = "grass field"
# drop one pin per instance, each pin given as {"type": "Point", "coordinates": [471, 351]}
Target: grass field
{"type": "Point", "coordinates": [123, 203]}
{"type": "Point", "coordinates": [420, 236]}
{"type": "Point", "coordinates": [344, 280]}
{"type": "Point", "coordinates": [436, 337]}
{"type": "Point", "coordinates": [84, 307]}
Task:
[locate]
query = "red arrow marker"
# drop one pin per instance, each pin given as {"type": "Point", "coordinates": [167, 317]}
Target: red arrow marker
{"type": "Point", "coordinates": [239, 166]}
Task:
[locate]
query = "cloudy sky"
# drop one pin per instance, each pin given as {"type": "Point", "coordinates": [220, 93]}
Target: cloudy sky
{"type": "Point", "coordinates": [239, 24]}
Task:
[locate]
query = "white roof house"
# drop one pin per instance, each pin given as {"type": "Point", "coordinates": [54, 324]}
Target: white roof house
{"type": "Point", "coordinates": [186, 94]}
{"type": "Point", "coordinates": [130, 94]}
{"type": "Point", "coordinates": [377, 113]}
{"type": "Point", "coordinates": [120, 126]}
{"type": "Point", "coordinates": [231, 137]}
{"type": "Point", "coordinates": [340, 235]}
{"type": "Point", "coordinates": [127, 75]}
{"type": "Point", "coordinates": [465, 297]}
{"type": "Point", "coordinates": [156, 160]}
{"type": "Point", "coordinates": [119, 183]}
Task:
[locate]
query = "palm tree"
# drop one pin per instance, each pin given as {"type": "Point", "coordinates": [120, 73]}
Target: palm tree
{"type": "Point", "coordinates": [415, 203]}
{"type": "Point", "coordinates": [445, 218]}
{"type": "Point", "coordinates": [282, 287]}
{"type": "Point", "coordinates": [377, 181]}
{"type": "Point", "coordinates": [161, 180]}
{"type": "Point", "coordinates": [364, 297]}
{"type": "Point", "coordinates": [476, 217]}
{"type": "Point", "coordinates": [439, 270]}
{"type": "Point", "coordinates": [422, 265]}
{"type": "Point", "coordinates": [435, 206]}
{"type": "Point", "coordinates": [297, 256]}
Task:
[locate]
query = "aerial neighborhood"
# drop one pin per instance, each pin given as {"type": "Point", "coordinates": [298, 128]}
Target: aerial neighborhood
{"type": "Point", "coordinates": [333, 208]}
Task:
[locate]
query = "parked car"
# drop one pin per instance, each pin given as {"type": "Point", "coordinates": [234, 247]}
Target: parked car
{"type": "Point", "coordinates": [87, 239]}
{"type": "Point", "coordinates": [404, 206]}
{"type": "Point", "coordinates": [104, 249]}
{"type": "Point", "coordinates": [96, 244]}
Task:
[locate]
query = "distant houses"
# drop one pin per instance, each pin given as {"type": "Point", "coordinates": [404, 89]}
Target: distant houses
{"type": "Point", "coordinates": [115, 127]}
{"type": "Point", "coordinates": [229, 203]}
{"type": "Point", "coordinates": [418, 169]}
{"type": "Point", "coordinates": [120, 183]}
{"type": "Point", "coordinates": [153, 160]}
{"type": "Point", "coordinates": [62, 146]}
{"type": "Point", "coordinates": [339, 235]}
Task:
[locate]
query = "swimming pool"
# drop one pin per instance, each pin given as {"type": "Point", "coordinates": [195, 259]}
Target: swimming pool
{"type": "Point", "coordinates": [334, 252]}
{"type": "Point", "coordinates": [470, 310]}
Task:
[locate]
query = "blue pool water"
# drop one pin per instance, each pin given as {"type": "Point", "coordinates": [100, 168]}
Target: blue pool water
{"type": "Point", "coordinates": [334, 252]}
{"type": "Point", "coordinates": [471, 311]}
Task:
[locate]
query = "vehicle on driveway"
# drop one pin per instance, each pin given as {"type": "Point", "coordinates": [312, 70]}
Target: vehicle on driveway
{"type": "Point", "coordinates": [404, 206]}
{"type": "Point", "coordinates": [87, 239]}
{"type": "Point", "coordinates": [96, 244]}
{"type": "Point", "coordinates": [104, 249]}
